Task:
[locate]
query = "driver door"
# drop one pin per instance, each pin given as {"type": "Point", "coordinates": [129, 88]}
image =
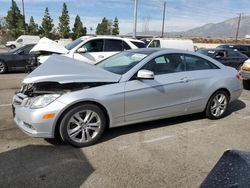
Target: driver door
{"type": "Point", "coordinates": [164, 96]}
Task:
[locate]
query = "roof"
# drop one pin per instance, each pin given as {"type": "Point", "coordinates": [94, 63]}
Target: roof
{"type": "Point", "coordinates": [110, 37]}
{"type": "Point", "coordinates": [145, 50]}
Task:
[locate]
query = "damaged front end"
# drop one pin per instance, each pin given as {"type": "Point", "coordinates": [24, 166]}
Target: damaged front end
{"type": "Point", "coordinates": [42, 88]}
{"type": "Point", "coordinates": [39, 95]}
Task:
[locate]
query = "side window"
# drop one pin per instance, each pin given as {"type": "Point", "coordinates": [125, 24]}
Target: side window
{"type": "Point", "coordinates": [155, 44]}
{"type": "Point", "coordinates": [197, 63]}
{"type": "Point", "coordinates": [113, 45]}
{"type": "Point", "coordinates": [20, 40]}
{"type": "Point", "coordinates": [94, 45]}
{"type": "Point", "coordinates": [125, 46]}
{"type": "Point", "coordinates": [164, 64]}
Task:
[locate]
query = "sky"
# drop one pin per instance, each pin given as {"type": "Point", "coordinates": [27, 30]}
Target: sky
{"type": "Point", "coordinates": [181, 15]}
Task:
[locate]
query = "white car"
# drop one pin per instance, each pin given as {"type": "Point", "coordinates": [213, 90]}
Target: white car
{"type": "Point", "coordinates": [180, 44]}
{"type": "Point", "coordinates": [23, 40]}
{"type": "Point", "coordinates": [89, 49]}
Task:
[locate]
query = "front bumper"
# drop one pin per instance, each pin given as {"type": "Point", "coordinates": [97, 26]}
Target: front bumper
{"type": "Point", "coordinates": [31, 121]}
{"type": "Point", "coordinates": [245, 74]}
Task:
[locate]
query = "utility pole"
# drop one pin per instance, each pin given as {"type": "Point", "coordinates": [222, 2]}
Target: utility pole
{"type": "Point", "coordinates": [163, 20]}
{"type": "Point", "coordinates": [135, 18]}
{"type": "Point", "coordinates": [24, 18]}
{"type": "Point", "coordinates": [238, 27]}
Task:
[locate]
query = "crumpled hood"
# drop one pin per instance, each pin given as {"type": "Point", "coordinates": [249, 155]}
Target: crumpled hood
{"type": "Point", "coordinates": [58, 68]}
{"type": "Point", "coordinates": [48, 45]}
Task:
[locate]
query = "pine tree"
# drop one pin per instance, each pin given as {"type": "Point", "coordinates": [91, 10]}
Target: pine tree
{"type": "Point", "coordinates": [115, 29]}
{"type": "Point", "coordinates": [14, 20]}
{"type": "Point", "coordinates": [78, 29]}
{"type": "Point", "coordinates": [32, 27]}
{"type": "Point", "coordinates": [63, 27]}
{"type": "Point", "coordinates": [104, 28]}
{"type": "Point", "coordinates": [47, 24]}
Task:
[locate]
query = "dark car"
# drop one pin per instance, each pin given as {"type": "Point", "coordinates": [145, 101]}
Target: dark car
{"type": "Point", "coordinates": [228, 57]}
{"type": "Point", "coordinates": [16, 60]}
{"type": "Point", "coordinates": [245, 49]}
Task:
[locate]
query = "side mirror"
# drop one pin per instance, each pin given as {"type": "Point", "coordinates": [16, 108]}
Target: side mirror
{"type": "Point", "coordinates": [82, 50]}
{"type": "Point", "coordinates": [145, 74]}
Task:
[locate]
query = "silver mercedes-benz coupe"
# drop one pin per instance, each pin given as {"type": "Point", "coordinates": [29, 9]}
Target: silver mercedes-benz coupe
{"type": "Point", "coordinates": [78, 100]}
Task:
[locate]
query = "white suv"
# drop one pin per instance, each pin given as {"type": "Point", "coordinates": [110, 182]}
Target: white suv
{"type": "Point", "coordinates": [88, 48]}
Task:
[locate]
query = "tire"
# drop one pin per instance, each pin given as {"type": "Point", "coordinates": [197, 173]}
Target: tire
{"type": "Point", "coordinates": [12, 46]}
{"type": "Point", "coordinates": [246, 84]}
{"type": "Point", "coordinates": [83, 125]}
{"type": "Point", "coordinates": [3, 67]}
{"type": "Point", "coordinates": [217, 105]}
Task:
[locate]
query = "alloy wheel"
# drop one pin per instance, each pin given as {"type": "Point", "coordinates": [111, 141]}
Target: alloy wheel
{"type": "Point", "coordinates": [219, 105]}
{"type": "Point", "coordinates": [84, 126]}
{"type": "Point", "coordinates": [2, 67]}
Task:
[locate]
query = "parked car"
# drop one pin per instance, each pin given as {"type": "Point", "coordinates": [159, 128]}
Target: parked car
{"type": "Point", "coordinates": [245, 74]}
{"type": "Point", "coordinates": [16, 60]}
{"type": "Point", "coordinates": [79, 100]}
{"type": "Point", "coordinates": [228, 57]}
{"type": "Point", "coordinates": [88, 49]}
{"type": "Point", "coordinates": [181, 44]}
{"type": "Point", "coordinates": [243, 48]}
{"type": "Point", "coordinates": [23, 40]}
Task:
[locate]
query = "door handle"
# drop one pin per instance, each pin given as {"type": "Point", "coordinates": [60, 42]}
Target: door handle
{"type": "Point", "coordinates": [184, 80]}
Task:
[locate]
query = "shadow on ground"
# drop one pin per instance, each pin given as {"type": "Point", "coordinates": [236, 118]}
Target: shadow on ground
{"type": "Point", "coordinates": [44, 166]}
{"type": "Point", "coordinates": [115, 132]}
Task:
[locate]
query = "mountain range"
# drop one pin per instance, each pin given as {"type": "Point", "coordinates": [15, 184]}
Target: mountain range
{"type": "Point", "coordinates": [223, 29]}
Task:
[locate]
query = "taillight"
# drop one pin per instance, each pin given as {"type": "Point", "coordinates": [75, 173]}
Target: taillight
{"type": "Point", "coordinates": [238, 76]}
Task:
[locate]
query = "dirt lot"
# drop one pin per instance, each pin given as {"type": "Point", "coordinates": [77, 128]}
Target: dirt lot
{"type": "Point", "coordinates": [176, 152]}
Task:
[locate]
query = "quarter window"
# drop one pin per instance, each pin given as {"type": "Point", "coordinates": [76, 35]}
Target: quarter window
{"type": "Point", "coordinates": [196, 63]}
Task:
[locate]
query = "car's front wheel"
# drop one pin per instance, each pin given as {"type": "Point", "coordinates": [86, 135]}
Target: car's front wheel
{"type": "Point", "coordinates": [3, 67]}
{"type": "Point", "coordinates": [83, 125]}
{"type": "Point", "coordinates": [217, 105]}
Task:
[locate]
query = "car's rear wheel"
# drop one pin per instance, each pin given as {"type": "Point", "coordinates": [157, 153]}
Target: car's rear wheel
{"type": "Point", "coordinates": [217, 105]}
{"type": "Point", "coordinates": [83, 125]}
{"type": "Point", "coordinates": [3, 67]}
{"type": "Point", "coordinates": [246, 84]}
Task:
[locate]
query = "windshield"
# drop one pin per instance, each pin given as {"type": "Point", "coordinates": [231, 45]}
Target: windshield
{"type": "Point", "coordinates": [16, 49]}
{"type": "Point", "coordinates": [73, 44]}
{"type": "Point", "coordinates": [122, 62]}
